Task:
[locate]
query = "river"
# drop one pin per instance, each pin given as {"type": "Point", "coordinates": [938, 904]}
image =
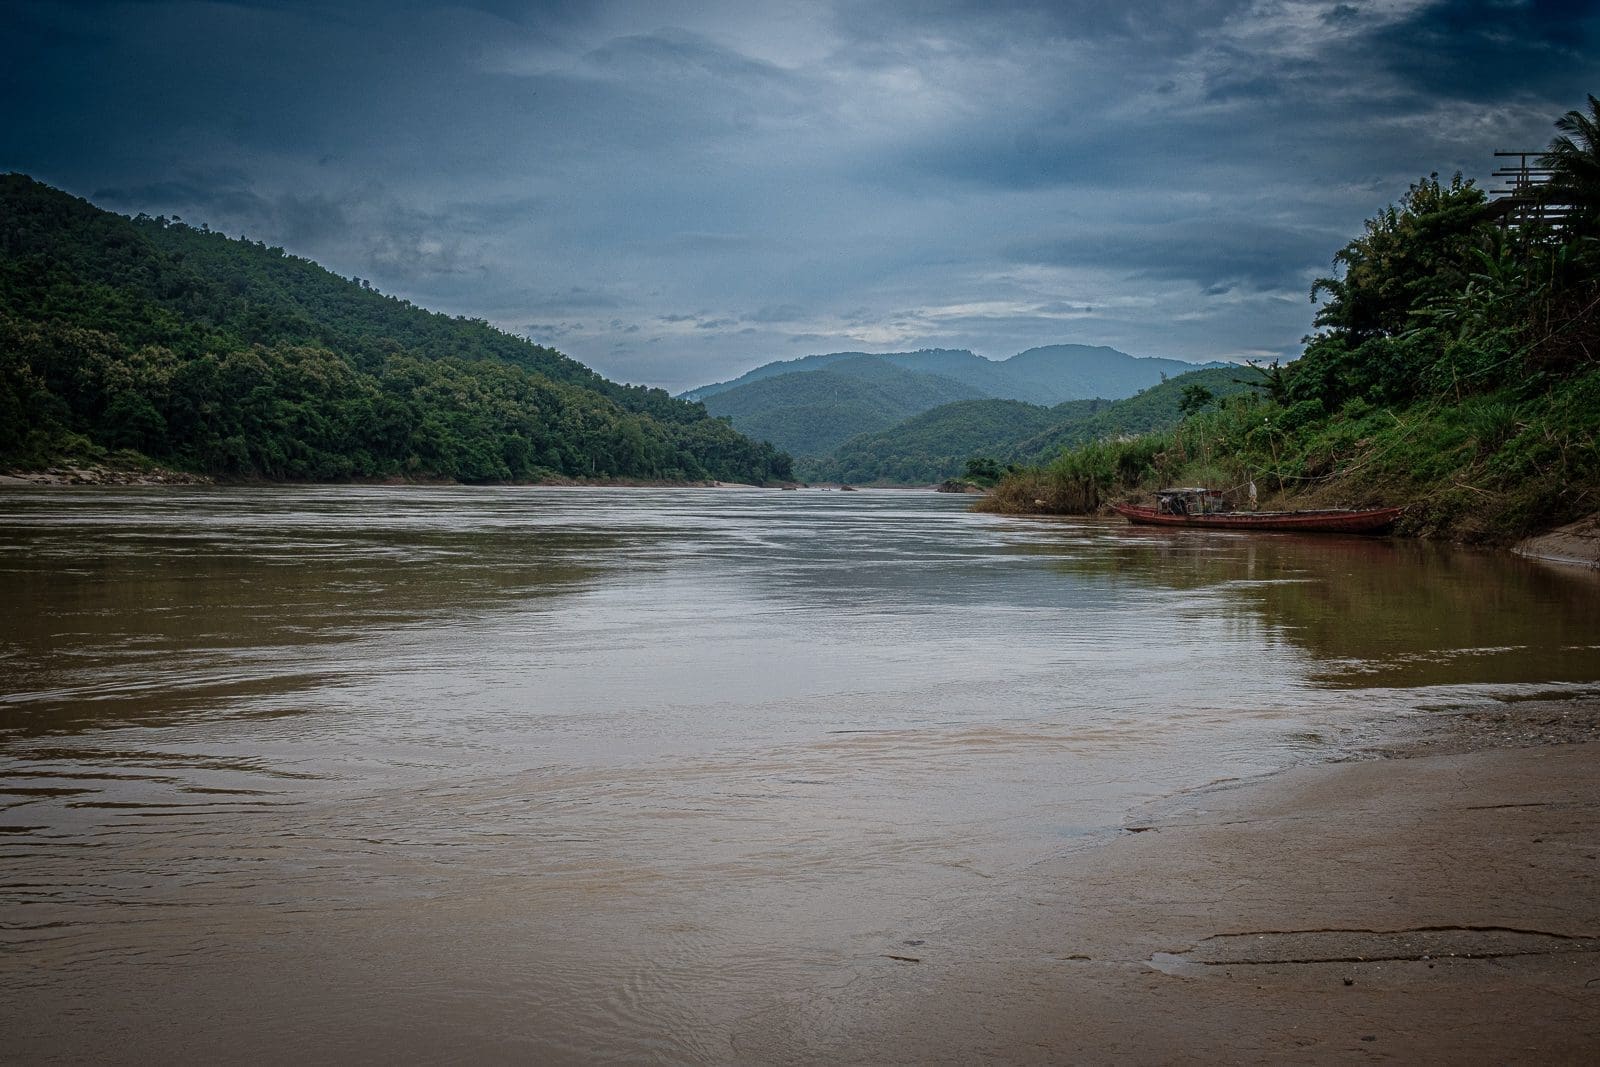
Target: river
{"type": "Point", "coordinates": [632, 774]}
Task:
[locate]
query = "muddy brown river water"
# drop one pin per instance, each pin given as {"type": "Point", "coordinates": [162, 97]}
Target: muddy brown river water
{"type": "Point", "coordinates": [590, 775]}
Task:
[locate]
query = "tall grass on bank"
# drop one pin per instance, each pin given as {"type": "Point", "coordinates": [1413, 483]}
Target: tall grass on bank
{"type": "Point", "coordinates": [1492, 467]}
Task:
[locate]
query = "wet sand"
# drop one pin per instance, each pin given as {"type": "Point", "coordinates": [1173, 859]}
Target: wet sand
{"type": "Point", "coordinates": [1435, 899]}
{"type": "Point", "coordinates": [1575, 544]}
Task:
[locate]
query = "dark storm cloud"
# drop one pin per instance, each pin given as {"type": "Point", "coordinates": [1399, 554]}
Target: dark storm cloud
{"type": "Point", "coordinates": [1216, 254]}
{"type": "Point", "coordinates": [1136, 27]}
{"type": "Point", "coordinates": [1164, 177]}
{"type": "Point", "coordinates": [382, 236]}
{"type": "Point", "coordinates": [1484, 50]}
{"type": "Point", "coordinates": [225, 201]}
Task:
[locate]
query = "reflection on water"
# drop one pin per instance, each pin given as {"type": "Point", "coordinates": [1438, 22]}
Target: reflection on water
{"type": "Point", "coordinates": [1376, 611]}
{"type": "Point", "coordinates": [630, 774]}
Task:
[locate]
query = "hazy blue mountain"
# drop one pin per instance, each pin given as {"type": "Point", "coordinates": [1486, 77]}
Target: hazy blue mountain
{"type": "Point", "coordinates": [1047, 375]}
{"type": "Point", "coordinates": [934, 445]}
{"type": "Point", "coordinates": [814, 411]}
{"type": "Point", "coordinates": [810, 406]}
{"type": "Point", "coordinates": [816, 363]}
{"type": "Point", "coordinates": [1055, 373]}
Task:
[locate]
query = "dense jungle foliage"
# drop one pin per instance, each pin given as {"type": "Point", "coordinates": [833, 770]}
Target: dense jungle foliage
{"type": "Point", "coordinates": [1456, 370]}
{"type": "Point", "coordinates": [140, 340]}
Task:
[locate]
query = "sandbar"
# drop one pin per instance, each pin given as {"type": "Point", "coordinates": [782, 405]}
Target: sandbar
{"type": "Point", "coordinates": [1433, 899]}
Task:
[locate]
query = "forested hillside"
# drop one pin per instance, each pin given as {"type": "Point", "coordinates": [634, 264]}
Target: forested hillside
{"type": "Point", "coordinates": [1456, 371]}
{"type": "Point", "coordinates": [150, 340]}
{"type": "Point", "coordinates": [938, 444]}
{"type": "Point", "coordinates": [1158, 408]}
{"type": "Point", "coordinates": [811, 406]}
{"type": "Point", "coordinates": [934, 445]}
{"type": "Point", "coordinates": [1053, 374]}
{"type": "Point", "coordinates": [812, 413]}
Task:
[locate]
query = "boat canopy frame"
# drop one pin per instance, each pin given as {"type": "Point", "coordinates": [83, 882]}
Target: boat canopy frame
{"type": "Point", "coordinates": [1191, 500]}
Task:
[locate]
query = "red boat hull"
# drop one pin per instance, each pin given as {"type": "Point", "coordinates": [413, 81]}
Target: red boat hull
{"type": "Point", "coordinates": [1370, 520]}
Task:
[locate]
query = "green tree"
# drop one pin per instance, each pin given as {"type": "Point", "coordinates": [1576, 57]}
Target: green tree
{"type": "Point", "coordinates": [232, 358]}
{"type": "Point", "coordinates": [1194, 399]}
{"type": "Point", "coordinates": [983, 469]}
{"type": "Point", "coordinates": [131, 421]}
{"type": "Point", "coordinates": [1574, 156]}
{"type": "Point", "coordinates": [1411, 253]}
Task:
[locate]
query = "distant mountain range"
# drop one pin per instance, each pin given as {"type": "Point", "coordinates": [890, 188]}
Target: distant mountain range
{"type": "Point", "coordinates": [1046, 375]}
{"type": "Point", "coordinates": [936, 444]}
{"type": "Point", "coordinates": [817, 410]}
{"type": "Point", "coordinates": [811, 406]}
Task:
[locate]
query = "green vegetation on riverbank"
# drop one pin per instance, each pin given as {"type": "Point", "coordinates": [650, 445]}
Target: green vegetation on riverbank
{"type": "Point", "coordinates": [1456, 370]}
{"type": "Point", "coordinates": [140, 340]}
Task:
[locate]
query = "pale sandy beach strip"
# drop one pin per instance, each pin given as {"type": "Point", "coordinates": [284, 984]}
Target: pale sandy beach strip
{"type": "Point", "coordinates": [1435, 902]}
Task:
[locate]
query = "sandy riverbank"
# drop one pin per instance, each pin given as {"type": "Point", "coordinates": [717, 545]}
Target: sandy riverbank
{"type": "Point", "coordinates": [1577, 543]}
{"type": "Point", "coordinates": [100, 475]}
{"type": "Point", "coordinates": [1433, 900]}
{"type": "Point", "coordinates": [113, 476]}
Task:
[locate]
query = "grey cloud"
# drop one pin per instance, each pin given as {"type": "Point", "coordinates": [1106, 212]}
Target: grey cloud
{"type": "Point", "coordinates": [1245, 86]}
{"type": "Point", "coordinates": [409, 257]}
{"type": "Point", "coordinates": [1214, 254]}
{"type": "Point", "coordinates": [172, 191]}
{"type": "Point", "coordinates": [551, 330]}
{"type": "Point", "coordinates": [1147, 175]}
{"type": "Point", "coordinates": [773, 313]}
{"type": "Point", "coordinates": [572, 298]}
{"type": "Point", "coordinates": [705, 242]}
{"type": "Point", "coordinates": [227, 204]}
{"type": "Point", "coordinates": [363, 227]}
{"type": "Point", "coordinates": [1169, 26]}
{"type": "Point", "coordinates": [700, 321]}
{"type": "Point", "coordinates": [675, 55]}
{"type": "Point", "coordinates": [492, 214]}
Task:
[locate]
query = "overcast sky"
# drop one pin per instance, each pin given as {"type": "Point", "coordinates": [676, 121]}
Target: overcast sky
{"type": "Point", "coordinates": [675, 192]}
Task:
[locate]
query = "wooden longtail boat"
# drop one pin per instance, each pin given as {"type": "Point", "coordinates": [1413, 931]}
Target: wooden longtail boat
{"type": "Point", "coordinates": [1205, 508]}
